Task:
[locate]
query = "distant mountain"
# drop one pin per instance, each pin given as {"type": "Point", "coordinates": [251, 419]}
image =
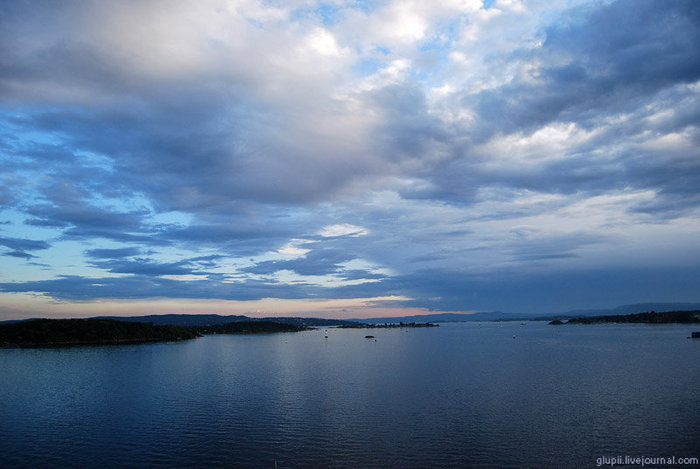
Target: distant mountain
{"type": "Point", "coordinates": [247, 327]}
{"type": "Point", "coordinates": [447, 317]}
{"type": "Point", "coordinates": [668, 317]}
{"type": "Point", "coordinates": [181, 319]}
{"type": "Point", "coordinates": [658, 307]}
{"type": "Point", "coordinates": [624, 309]}
{"type": "Point", "coordinates": [500, 316]}
{"type": "Point", "coordinates": [217, 319]}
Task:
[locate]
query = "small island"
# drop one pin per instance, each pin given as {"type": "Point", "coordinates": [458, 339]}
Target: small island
{"type": "Point", "coordinates": [651, 317]}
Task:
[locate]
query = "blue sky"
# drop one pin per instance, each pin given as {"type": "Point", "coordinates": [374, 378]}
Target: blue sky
{"type": "Point", "coordinates": [347, 158]}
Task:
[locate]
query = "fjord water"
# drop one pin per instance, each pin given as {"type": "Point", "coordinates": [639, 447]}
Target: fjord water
{"type": "Point", "coordinates": [458, 395]}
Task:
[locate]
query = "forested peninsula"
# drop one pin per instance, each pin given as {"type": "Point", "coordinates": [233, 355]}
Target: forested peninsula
{"type": "Point", "coordinates": [100, 331]}
{"type": "Point", "coordinates": [59, 332]}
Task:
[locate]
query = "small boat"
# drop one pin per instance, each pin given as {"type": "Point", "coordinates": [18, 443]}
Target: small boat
{"type": "Point", "coordinates": [695, 335]}
{"type": "Point", "coordinates": [369, 337]}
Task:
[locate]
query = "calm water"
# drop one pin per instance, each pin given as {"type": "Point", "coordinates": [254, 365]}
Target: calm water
{"type": "Point", "coordinates": [461, 395]}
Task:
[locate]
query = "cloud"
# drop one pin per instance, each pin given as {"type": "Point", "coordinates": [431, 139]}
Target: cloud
{"type": "Point", "coordinates": [361, 274]}
{"type": "Point", "coordinates": [439, 152]}
{"type": "Point", "coordinates": [112, 253]}
{"type": "Point", "coordinates": [78, 288]}
{"type": "Point", "coordinates": [597, 63]}
{"type": "Point", "coordinates": [143, 267]}
{"type": "Point", "coordinates": [316, 262]}
{"type": "Point", "coordinates": [20, 254]}
{"type": "Point", "coordinates": [114, 262]}
{"type": "Point", "coordinates": [19, 247]}
{"type": "Point", "coordinates": [543, 291]}
{"type": "Point", "coordinates": [344, 229]}
{"type": "Point", "coordinates": [238, 138]}
{"type": "Point", "coordinates": [23, 244]}
{"type": "Point", "coordinates": [432, 289]}
{"type": "Point", "coordinates": [70, 205]}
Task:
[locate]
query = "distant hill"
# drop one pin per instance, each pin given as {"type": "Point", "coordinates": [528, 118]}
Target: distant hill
{"type": "Point", "coordinates": [181, 319]}
{"type": "Point", "coordinates": [669, 317]}
{"type": "Point", "coordinates": [201, 320]}
{"type": "Point", "coordinates": [500, 316]}
{"type": "Point", "coordinates": [248, 327]}
{"type": "Point", "coordinates": [623, 310]}
{"type": "Point", "coordinates": [447, 317]}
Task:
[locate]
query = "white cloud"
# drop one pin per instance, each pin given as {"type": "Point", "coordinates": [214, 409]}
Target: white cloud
{"type": "Point", "coordinates": [323, 41]}
{"type": "Point", "coordinates": [343, 229]}
{"type": "Point", "coordinates": [294, 248]}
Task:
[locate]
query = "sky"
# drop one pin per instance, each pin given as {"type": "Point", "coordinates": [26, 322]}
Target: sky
{"type": "Point", "coordinates": [347, 158]}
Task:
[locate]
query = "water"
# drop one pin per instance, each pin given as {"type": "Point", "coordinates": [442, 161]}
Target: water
{"type": "Point", "coordinates": [461, 395]}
